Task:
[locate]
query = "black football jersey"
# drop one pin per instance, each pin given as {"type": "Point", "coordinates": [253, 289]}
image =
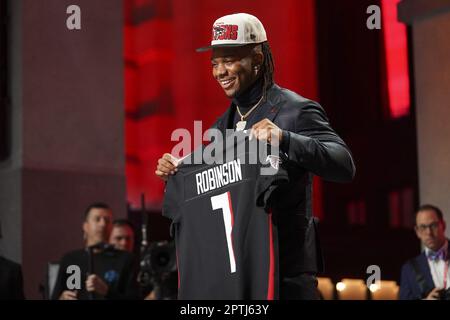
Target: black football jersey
{"type": "Point", "coordinates": [226, 242]}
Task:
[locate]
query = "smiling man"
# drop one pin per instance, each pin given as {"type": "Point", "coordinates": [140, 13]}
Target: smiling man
{"type": "Point", "coordinates": [242, 64]}
{"type": "Point", "coordinates": [106, 273]}
{"type": "Point", "coordinates": [426, 276]}
{"type": "Point", "coordinates": [233, 67]}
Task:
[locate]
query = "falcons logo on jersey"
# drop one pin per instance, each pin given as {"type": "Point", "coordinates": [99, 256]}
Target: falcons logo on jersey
{"type": "Point", "coordinates": [274, 161]}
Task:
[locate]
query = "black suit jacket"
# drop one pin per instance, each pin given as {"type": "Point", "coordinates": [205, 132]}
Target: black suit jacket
{"type": "Point", "coordinates": [410, 288]}
{"type": "Point", "coordinates": [11, 281]}
{"type": "Point", "coordinates": [310, 147]}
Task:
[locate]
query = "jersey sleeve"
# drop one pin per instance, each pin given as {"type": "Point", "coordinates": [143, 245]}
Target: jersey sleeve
{"type": "Point", "coordinates": [173, 199]}
{"type": "Point", "coordinates": [267, 184]}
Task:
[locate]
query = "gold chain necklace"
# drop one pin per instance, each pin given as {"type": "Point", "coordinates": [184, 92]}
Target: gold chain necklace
{"type": "Point", "coordinates": [240, 125]}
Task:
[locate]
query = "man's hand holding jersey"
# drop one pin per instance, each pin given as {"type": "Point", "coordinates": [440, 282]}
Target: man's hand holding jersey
{"type": "Point", "coordinates": [266, 130]}
{"type": "Point", "coordinates": [167, 165]}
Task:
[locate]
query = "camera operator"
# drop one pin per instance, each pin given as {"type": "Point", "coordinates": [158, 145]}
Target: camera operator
{"type": "Point", "coordinates": [122, 235]}
{"type": "Point", "coordinates": [158, 275]}
{"type": "Point", "coordinates": [106, 273]}
{"type": "Point", "coordinates": [427, 275]}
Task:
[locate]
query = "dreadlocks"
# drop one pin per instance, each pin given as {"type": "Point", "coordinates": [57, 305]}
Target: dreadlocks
{"type": "Point", "coordinates": [267, 66]}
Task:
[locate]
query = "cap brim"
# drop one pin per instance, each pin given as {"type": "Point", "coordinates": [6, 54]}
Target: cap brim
{"type": "Point", "coordinates": [203, 49]}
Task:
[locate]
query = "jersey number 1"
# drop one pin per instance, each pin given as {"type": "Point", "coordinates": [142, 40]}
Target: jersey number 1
{"type": "Point", "coordinates": [223, 201]}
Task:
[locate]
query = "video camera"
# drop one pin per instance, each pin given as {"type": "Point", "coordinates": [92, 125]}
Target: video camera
{"type": "Point", "coordinates": [158, 266]}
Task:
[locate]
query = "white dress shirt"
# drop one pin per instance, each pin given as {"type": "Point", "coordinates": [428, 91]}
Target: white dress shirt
{"type": "Point", "coordinates": [437, 268]}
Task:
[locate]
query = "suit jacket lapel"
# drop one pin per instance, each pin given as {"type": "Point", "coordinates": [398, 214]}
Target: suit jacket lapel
{"type": "Point", "coordinates": [222, 123]}
{"type": "Point", "coordinates": [423, 263]}
{"type": "Point", "coordinates": [272, 105]}
{"type": "Point", "coordinates": [448, 249]}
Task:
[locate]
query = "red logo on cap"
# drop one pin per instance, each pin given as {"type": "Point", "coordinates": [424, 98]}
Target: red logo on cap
{"type": "Point", "coordinates": [225, 32]}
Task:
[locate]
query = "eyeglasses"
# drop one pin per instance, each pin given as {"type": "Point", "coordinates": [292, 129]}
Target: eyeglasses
{"type": "Point", "coordinates": [423, 227]}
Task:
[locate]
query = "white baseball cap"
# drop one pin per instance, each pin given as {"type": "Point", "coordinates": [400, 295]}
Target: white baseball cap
{"type": "Point", "coordinates": [235, 30]}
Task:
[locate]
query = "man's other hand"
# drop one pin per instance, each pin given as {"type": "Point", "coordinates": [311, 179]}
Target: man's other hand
{"type": "Point", "coordinates": [68, 295]}
{"type": "Point", "coordinates": [434, 294]}
{"type": "Point", "coordinates": [95, 284]}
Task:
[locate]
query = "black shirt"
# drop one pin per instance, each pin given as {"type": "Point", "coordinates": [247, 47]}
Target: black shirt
{"type": "Point", "coordinates": [113, 266]}
{"type": "Point", "coordinates": [245, 101]}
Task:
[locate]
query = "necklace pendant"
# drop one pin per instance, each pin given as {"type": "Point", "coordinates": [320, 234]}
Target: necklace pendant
{"type": "Point", "coordinates": [240, 126]}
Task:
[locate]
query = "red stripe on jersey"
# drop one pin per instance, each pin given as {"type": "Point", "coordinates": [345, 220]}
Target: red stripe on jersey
{"type": "Point", "coordinates": [271, 283]}
{"type": "Point", "coordinates": [232, 222]}
{"type": "Point", "coordinates": [178, 269]}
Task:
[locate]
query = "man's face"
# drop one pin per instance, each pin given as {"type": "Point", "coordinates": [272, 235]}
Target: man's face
{"type": "Point", "coordinates": [430, 229]}
{"type": "Point", "coordinates": [122, 237]}
{"type": "Point", "coordinates": [232, 67]}
{"type": "Point", "coordinates": [97, 226]}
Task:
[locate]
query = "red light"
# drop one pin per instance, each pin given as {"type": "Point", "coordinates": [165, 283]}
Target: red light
{"type": "Point", "coordinates": [396, 53]}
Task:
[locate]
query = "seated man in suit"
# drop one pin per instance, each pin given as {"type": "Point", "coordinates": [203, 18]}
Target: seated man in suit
{"type": "Point", "coordinates": [427, 275]}
{"type": "Point", "coordinates": [11, 281]}
{"type": "Point", "coordinates": [106, 273]}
